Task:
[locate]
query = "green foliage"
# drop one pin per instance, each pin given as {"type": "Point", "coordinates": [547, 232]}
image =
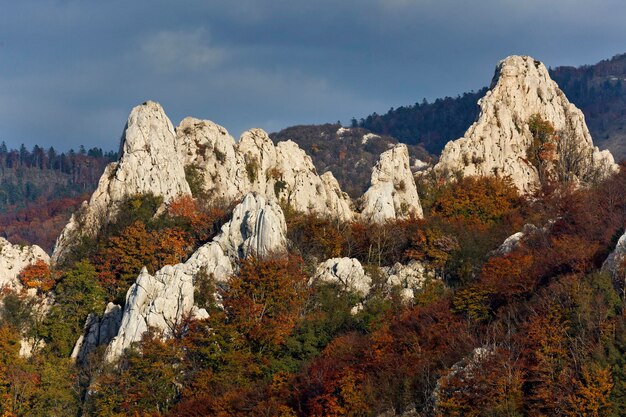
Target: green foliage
{"type": "Point", "coordinates": [205, 291]}
{"type": "Point", "coordinates": [195, 180]}
{"type": "Point", "coordinates": [77, 294]}
{"type": "Point", "coordinates": [279, 187]}
{"type": "Point", "coordinates": [473, 302]}
{"type": "Point", "coordinates": [56, 394]}
{"type": "Point", "coordinates": [16, 311]}
{"type": "Point", "coordinates": [329, 314]}
{"type": "Point", "coordinates": [252, 169]}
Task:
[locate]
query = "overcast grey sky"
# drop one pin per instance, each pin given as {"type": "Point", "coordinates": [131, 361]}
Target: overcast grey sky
{"type": "Point", "coordinates": [70, 71]}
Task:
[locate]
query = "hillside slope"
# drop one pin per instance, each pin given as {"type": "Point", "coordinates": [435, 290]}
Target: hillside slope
{"type": "Point", "coordinates": [349, 153]}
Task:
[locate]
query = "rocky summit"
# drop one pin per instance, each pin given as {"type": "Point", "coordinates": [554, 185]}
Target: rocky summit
{"type": "Point", "coordinates": [200, 156]}
{"type": "Point", "coordinates": [503, 141]}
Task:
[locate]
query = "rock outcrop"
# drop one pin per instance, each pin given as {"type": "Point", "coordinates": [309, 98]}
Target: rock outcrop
{"type": "Point", "coordinates": [149, 163]}
{"type": "Point", "coordinates": [500, 142]}
{"type": "Point", "coordinates": [408, 278]}
{"type": "Point", "coordinates": [346, 272]}
{"type": "Point", "coordinates": [98, 331]}
{"type": "Point", "coordinates": [162, 300]}
{"type": "Point", "coordinates": [13, 258]}
{"type": "Point", "coordinates": [614, 263]}
{"type": "Point", "coordinates": [392, 193]}
{"type": "Point", "coordinates": [281, 172]}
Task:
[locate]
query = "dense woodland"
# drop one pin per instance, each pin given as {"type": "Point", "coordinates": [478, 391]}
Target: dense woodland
{"type": "Point", "coordinates": [537, 331]}
{"type": "Point", "coordinates": [598, 90]}
{"type": "Point", "coordinates": [350, 154]}
{"type": "Point", "coordinates": [39, 190]}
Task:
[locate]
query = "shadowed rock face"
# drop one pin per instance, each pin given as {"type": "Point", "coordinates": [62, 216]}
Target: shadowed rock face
{"type": "Point", "coordinates": [162, 300]}
{"type": "Point", "coordinates": [497, 143]}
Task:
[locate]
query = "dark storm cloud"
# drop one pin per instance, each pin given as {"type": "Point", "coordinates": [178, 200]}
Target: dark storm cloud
{"type": "Point", "coordinates": [70, 71]}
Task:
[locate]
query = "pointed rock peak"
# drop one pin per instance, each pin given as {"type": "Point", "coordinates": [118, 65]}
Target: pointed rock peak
{"type": "Point", "coordinates": [527, 130]}
{"type": "Point", "coordinates": [392, 193]}
{"type": "Point", "coordinates": [148, 130]}
{"type": "Point", "coordinates": [149, 164]}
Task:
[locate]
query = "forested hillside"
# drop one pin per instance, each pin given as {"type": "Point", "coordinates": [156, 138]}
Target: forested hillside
{"type": "Point", "coordinates": [598, 90]}
{"type": "Point", "coordinates": [349, 153]}
{"type": "Point", "coordinates": [39, 189]}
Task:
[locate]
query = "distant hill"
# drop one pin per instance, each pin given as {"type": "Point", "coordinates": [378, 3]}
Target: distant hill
{"type": "Point", "coordinates": [39, 190]}
{"type": "Point", "coordinates": [349, 153]}
{"type": "Point", "coordinates": [598, 90]}
{"type": "Point", "coordinates": [431, 125]}
{"type": "Point", "coordinates": [28, 176]}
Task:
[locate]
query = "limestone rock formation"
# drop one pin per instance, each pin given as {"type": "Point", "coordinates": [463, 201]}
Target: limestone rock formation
{"type": "Point", "coordinates": [392, 193]}
{"type": "Point", "coordinates": [149, 163]}
{"type": "Point", "coordinates": [409, 277]}
{"type": "Point", "coordinates": [257, 227]}
{"type": "Point", "coordinates": [281, 172]}
{"type": "Point", "coordinates": [98, 331]}
{"type": "Point", "coordinates": [500, 142]}
{"type": "Point", "coordinates": [162, 300]}
{"type": "Point", "coordinates": [615, 261]}
{"type": "Point", "coordinates": [13, 258]}
{"type": "Point", "coordinates": [347, 272]}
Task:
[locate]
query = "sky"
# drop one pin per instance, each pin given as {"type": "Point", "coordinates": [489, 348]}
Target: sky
{"type": "Point", "coordinates": [71, 71]}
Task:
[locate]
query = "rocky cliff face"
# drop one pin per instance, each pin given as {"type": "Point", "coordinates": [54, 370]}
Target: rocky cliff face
{"type": "Point", "coordinates": [160, 301]}
{"type": "Point", "coordinates": [155, 159]}
{"type": "Point", "coordinates": [149, 163]}
{"type": "Point", "coordinates": [500, 142]}
{"type": "Point", "coordinates": [392, 193]}
{"type": "Point", "coordinates": [13, 258]}
{"type": "Point", "coordinates": [283, 172]}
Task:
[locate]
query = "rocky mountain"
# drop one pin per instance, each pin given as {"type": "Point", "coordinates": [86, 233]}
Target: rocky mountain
{"type": "Point", "coordinates": [200, 157]}
{"type": "Point", "coordinates": [254, 285]}
{"type": "Point", "coordinates": [392, 193]}
{"type": "Point", "coordinates": [149, 163]}
{"type": "Point", "coordinates": [598, 90]}
{"type": "Point", "coordinates": [527, 130]}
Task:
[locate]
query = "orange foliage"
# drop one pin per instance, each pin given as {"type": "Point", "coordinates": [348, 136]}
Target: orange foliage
{"type": "Point", "coordinates": [591, 397]}
{"type": "Point", "coordinates": [509, 275]}
{"type": "Point", "coordinates": [265, 298]}
{"type": "Point", "coordinates": [119, 263]}
{"type": "Point", "coordinates": [37, 276]}
{"type": "Point", "coordinates": [476, 201]}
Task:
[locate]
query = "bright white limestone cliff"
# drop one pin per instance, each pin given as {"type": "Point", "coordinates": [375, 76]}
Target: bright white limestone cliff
{"type": "Point", "coordinates": [347, 272]}
{"type": "Point", "coordinates": [149, 163]}
{"type": "Point", "coordinates": [392, 194]}
{"type": "Point", "coordinates": [497, 143]}
{"type": "Point", "coordinates": [13, 258]}
{"type": "Point", "coordinates": [282, 172]}
{"type": "Point", "coordinates": [160, 301]}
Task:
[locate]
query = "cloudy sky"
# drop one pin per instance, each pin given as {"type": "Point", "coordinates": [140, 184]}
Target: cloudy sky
{"type": "Point", "coordinates": [70, 71]}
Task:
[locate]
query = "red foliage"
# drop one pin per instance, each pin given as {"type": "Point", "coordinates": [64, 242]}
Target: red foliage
{"type": "Point", "coordinates": [37, 276]}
